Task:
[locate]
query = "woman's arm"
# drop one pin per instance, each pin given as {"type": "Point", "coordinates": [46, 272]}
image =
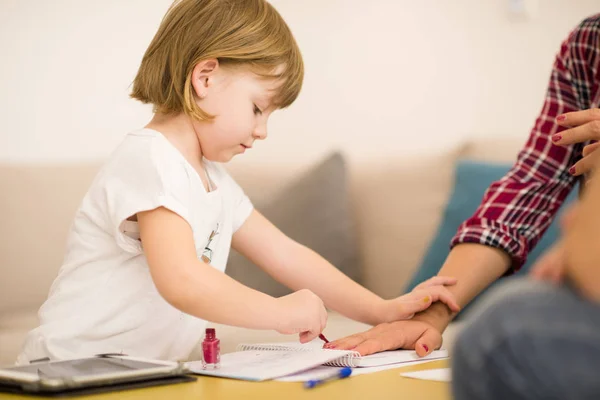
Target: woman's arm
{"type": "Point", "coordinates": [475, 267]}
{"type": "Point", "coordinates": [516, 210]}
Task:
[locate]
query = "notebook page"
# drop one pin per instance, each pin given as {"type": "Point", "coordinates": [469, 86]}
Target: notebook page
{"type": "Point", "coordinates": [398, 357]}
{"type": "Point", "coordinates": [257, 365]}
{"type": "Point", "coordinates": [353, 359]}
{"type": "Point", "coordinates": [349, 358]}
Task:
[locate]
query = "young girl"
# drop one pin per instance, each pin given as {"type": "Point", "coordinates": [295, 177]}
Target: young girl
{"type": "Point", "coordinates": [148, 247]}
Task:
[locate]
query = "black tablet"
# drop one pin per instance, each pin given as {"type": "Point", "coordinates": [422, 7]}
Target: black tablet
{"type": "Point", "coordinates": [57, 376]}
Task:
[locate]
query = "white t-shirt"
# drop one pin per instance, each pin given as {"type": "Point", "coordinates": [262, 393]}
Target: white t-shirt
{"type": "Point", "coordinates": [104, 299]}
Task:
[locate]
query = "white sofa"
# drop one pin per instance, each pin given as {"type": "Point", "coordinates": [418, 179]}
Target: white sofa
{"type": "Point", "coordinates": [397, 205]}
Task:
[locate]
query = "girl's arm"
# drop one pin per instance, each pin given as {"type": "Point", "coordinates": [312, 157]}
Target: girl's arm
{"type": "Point", "coordinates": [198, 289]}
{"type": "Point", "coordinates": [298, 267]}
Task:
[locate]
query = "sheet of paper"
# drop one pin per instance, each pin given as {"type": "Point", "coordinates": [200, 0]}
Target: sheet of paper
{"type": "Point", "coordinates": [262, 365]}
{"type": "Point", "coordinates": [324, 371]}
{"type": "Point", "coordinates": [440, 375]}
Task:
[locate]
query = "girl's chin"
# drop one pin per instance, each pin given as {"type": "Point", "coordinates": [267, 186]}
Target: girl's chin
{"type": "Point", "coordinates": [222, 158]}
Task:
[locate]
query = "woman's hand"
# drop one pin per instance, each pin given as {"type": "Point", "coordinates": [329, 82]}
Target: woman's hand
{"type": "Point", "coordinates": [551, 266]}
{"type": "Point", "coordinates": [584, 126]}
{"type": "Point", "coordinates": [419, 299]}
{"type": "Point", "coordinates": [412, 334]}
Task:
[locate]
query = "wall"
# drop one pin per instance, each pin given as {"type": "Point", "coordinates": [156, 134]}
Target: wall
{"type": "Point", "coordinates": [384, 78]}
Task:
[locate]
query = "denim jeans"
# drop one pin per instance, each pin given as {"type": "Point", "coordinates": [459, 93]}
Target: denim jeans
{"type": "Point", "coordinates": [529, 340]}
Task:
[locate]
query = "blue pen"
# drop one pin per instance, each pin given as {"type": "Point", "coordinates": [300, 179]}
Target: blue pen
{"type": "Point", "coordinates": [341, 374]}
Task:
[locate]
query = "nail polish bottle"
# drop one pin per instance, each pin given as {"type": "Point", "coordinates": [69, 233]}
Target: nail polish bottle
{"type": "Point", "coordinates": [211, 350]}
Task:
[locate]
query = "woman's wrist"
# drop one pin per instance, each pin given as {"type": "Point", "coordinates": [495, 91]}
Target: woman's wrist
{"type": "Point", "coordinates": [438, 316]}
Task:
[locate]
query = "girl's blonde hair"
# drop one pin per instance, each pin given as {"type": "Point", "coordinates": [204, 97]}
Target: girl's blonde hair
{"type": "Point", "coordinates": [244, 33]}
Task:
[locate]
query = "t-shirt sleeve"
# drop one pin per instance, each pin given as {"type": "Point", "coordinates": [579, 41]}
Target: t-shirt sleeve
{"type": "Point", "coordinates": [142, 180]}
{"type": "Point", "coordinates": [241, 205]}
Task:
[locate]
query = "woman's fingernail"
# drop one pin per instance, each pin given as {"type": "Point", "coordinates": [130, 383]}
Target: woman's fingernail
{"type": "Point", "coordinates": [426, 299]}
{"type": "Point", "coordinates": [426, 348]}
{"type": "Point", "coordinates": [572, 170]}
{"type": "Point", "coordinates": [556, 138]}
{"type": "Point", "coordinates": [561, 117]}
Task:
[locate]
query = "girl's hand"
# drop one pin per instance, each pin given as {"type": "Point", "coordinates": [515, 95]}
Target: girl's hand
{"type": "Point", "coordinates": [584, 126]}
{"type": "Point", "coordinates": [421, 297]}
{"type": "Point", "coordinates": [301, 312]}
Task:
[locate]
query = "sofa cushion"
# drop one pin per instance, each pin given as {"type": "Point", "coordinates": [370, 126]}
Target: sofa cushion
{"type": "Point", "coordinates": [472, 178]}
{"type": "Point", "coordinates": [398, 204]}
{"type": "Point", "coordinates": [314, 210]}
{"type": "Point", "coordinates": [14, 326]}
{"type": "Point", "coordinates": [38, 205]}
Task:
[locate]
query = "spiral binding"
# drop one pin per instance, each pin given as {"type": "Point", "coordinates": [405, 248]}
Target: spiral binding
{"type": "Point", "coordinates": [349, 360]}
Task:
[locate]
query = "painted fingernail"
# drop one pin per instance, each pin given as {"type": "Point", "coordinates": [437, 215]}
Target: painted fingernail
{"type": "Point", "coordinates": [556, 138]}
{"type": "Point", "coordinates": [561, 117]}
{"type": "Point", "coordinates": [426, 348]}
{"type": "Point", "coordinates": [572, 170]}
{"type": "Point", "coordinates": [426, 299]}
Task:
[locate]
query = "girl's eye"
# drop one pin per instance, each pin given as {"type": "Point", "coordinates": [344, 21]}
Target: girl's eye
{"type": "Point", "coordinates": [257, 110]}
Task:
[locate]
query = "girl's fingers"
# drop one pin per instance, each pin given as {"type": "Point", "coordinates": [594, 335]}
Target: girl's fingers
{"type": "Point", "coordinates": [437, 280]}
{"type": "Point", "coordinates": [440, 293]}
{"type": "Point", "coordinates": [419, 300]}
{"type": "Point", "coordinates": [307, 336]}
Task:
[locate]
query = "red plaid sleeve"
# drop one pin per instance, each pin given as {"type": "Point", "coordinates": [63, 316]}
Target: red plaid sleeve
{"type": "Point", "coordinates": [516, 210]}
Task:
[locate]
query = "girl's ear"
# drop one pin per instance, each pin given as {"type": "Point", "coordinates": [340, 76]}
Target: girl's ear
{"type": "Point", "coordinates": [202, 76]}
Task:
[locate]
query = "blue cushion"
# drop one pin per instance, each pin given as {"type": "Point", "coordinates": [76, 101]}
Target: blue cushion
{"type": "Point", "coordinates": [471, 181]}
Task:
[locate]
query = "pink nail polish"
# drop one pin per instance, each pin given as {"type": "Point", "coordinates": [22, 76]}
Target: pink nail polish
{"type": "Point", "coordinates": [572, 170]}
{"type": "Point", "coordinates": [556, 138]}
{"type": "Point", "coordinates": [211, 349]}
{"type": "Point", "coordinates": [561, 117]}
{"type": "Point", "coordinates": [426, 348]}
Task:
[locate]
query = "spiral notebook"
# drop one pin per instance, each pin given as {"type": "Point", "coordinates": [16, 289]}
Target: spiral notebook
{"type": "Point", "coordinates": [257, 362]}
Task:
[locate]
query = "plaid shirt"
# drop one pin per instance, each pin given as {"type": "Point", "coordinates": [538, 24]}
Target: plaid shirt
{"type": "Point", "coordinates": [517, 209]}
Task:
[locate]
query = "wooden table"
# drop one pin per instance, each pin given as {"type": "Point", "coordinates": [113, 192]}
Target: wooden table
{"type": "Point", "coordinates": [377, 386]}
